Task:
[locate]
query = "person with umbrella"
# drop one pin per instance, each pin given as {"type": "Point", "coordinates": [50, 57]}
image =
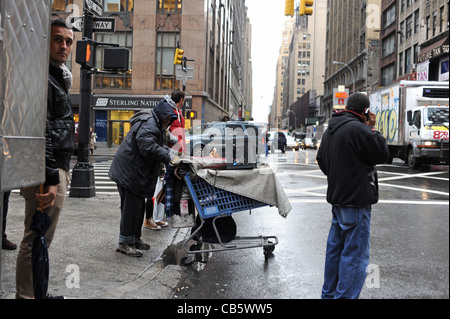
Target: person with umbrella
{"type": "Point", "coordinates": [59, 147]}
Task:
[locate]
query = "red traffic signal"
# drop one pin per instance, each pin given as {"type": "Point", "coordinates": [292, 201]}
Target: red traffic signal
{"type": "Point", "coordinates": [85, 53]}
{"type": "Point", "coordinates": [191, 115]}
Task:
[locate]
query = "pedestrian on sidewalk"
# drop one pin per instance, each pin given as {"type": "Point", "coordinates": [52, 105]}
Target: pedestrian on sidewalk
{"type": "Point", "coordinates": [135, 169]}
{"type": "Point", "coordinates": [59, 147]}
{"type": "Point", "coordinates": [92, 140]}
{"type": "Point", "coordinates": [349, 151]}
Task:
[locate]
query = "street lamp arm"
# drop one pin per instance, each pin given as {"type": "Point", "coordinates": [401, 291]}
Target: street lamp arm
{"type": "Point", "coordinates": [351, 71]}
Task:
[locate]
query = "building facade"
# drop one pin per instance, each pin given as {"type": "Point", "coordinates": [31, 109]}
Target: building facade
{"type": "Point", "coordinates": [353, 47]}
{"type": "Point", "coordinates": [306, 68]}
{"type": "Point", "coordinates": [214, 35]}
{"type": "Point", "coordinates": [276, 115]}
{"type": "Point", "coordinates": [300, 68]}
{"type": "Point", "coordinates": [433, 54]}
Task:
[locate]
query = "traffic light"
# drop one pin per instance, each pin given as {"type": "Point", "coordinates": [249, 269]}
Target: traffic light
{"type": "Point", "coordinates": [306, 7]}
{"type": "Point", "coordinates": [116, 58]}
{"type": "Point", "coordinates": [289, 8]}
{"type": "Point", "coordinates": [191, 115]}
{"type": "Point", "coordinates": [178, 56]}
{"type": "Point", "coordinates": [85, 53]}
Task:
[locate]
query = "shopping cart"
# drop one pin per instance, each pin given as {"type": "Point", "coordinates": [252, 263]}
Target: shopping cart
{"type": "Point", "coordinates": [213, 202]}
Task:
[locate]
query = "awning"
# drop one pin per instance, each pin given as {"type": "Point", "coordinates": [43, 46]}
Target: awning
{"type": "Point", "coordinates": [434, 50]}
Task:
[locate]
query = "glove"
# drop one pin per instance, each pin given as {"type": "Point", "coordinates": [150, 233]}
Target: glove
{"type": "Point", "coordinates": [172, 138]}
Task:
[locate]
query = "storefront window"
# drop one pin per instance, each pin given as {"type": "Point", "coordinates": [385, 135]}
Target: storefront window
{"type": "Point", "coordinates": [169, 6]}
{"type": "Point", "coordinates": [118, 5]}
{"type": "Point", "coordinates": [61, 5]}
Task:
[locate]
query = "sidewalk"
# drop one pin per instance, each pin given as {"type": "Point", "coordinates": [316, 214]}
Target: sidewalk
{"type": "Point", "coordinates": [83, 260]}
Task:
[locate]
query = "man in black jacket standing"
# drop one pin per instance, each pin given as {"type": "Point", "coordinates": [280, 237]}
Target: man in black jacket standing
{"type": "Point", "coordinates": [349, 151]}
{"type": "Point", "coordinates": [59, 147]}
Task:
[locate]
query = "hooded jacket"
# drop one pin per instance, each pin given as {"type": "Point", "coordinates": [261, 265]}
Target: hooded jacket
{"type": "Point", "coordinates": [347, 155]}
{"type": "Point", "coordinates": [176, 128]}
{"type": "Point", "coordinates": [137, 161]}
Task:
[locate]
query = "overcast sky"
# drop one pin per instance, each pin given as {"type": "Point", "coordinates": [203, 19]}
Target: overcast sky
{"type": "Point", "coordinates": [267, 19]}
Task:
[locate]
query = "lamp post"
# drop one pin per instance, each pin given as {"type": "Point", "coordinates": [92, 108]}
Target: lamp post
{"type": "Point", "coordinates": [351, 71]}
{"type": "Point", "coordinates": [295, 118]}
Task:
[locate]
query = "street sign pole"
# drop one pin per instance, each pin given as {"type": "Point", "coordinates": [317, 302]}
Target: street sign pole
{"type": "Point", "coordinates": [83, 181]}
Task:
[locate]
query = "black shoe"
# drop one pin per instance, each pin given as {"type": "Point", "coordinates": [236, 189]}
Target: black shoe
{"type": "Point", "coordinates": [8, 245]}
{"type": "Point", "coordinates": [139, 244]}
{"type": "Point", "coordinates": [54, 297]}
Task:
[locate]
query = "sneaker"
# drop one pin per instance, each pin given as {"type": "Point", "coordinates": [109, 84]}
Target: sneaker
{"type": "Point", "coordinates": [162, 224]}
{"type": "Point", "coordinates": [139, 244]}
{"type": "Point", "coordinates": [150, 224]}
{"type": "Point", "coordinates": [129, 250]}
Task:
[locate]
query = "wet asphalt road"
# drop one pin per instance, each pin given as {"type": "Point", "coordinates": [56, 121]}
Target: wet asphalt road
{"type": "Point", "coordinates": [409, 239]}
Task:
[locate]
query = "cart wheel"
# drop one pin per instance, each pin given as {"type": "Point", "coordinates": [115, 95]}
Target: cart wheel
{"type": "Point", "coordinates": [268, 250]}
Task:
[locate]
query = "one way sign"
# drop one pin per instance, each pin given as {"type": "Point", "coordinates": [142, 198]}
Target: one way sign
{"type": "Point", "coordinates": [105, 25]}
{"type": "Point", "coordinates": [101, 25]}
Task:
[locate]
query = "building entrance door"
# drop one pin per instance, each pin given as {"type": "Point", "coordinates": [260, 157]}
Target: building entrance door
{"type": "Point", "coordinates": [118, 131]}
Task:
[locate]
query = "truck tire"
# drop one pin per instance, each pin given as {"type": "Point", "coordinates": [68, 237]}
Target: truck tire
{"type": "Point", "coordinates": [412, 161]}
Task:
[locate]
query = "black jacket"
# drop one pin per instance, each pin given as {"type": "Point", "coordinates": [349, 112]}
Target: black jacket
{"type": "Point", "coordinates": [348, 154]}
{"type": "Point", "coordinates": [137, 161]}
{"type": "Point", "coordinates": [60, 128]}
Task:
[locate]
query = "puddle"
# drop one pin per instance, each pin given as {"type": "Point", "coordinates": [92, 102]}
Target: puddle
{"type": "Point", "coordinates": [194, 263]}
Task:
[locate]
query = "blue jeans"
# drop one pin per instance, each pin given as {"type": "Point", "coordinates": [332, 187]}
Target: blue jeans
{"type": "Point", "coordinates": [348, 250]}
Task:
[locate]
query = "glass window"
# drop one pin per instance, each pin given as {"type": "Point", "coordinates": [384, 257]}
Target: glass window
{"type": "Point", "coordinates": [408, 61]}
{"type": "Point", "coordinates": [389, 16]}
{"type": "Point", "coordinates": [387, 75]}
{"type": "Point", "coordinates": [169, 6]}
{"type": "Point", "coordinates": [409, 26]}
{"type": "Point", "coordinates": [166, 42]}
{"type": "Point", "coordinates": [388, 46]}
{"type": "Point", "coordinates": [416, 22]}
{"type": "Point", "coordinates": [61, 5]}
{"type": "Point", "coordinates": [117, 81]}
{"type": "Point", "coordinates": [118, 5]}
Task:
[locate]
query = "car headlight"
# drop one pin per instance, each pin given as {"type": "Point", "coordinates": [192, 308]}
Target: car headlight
{"type": "Point", "coordinates": [428, 144]}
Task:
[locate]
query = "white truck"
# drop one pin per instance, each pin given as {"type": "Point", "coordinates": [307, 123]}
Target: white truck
{"type": "Point", "coordinates": [413, 116]}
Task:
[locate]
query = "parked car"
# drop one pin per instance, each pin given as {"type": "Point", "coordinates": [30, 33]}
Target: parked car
{"type": "Point", "coordinates": [226, 140]}
{"type": "Point", "coordinates": [309, 143]}
{"type": "Point", "coordinates": [292, 143]}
